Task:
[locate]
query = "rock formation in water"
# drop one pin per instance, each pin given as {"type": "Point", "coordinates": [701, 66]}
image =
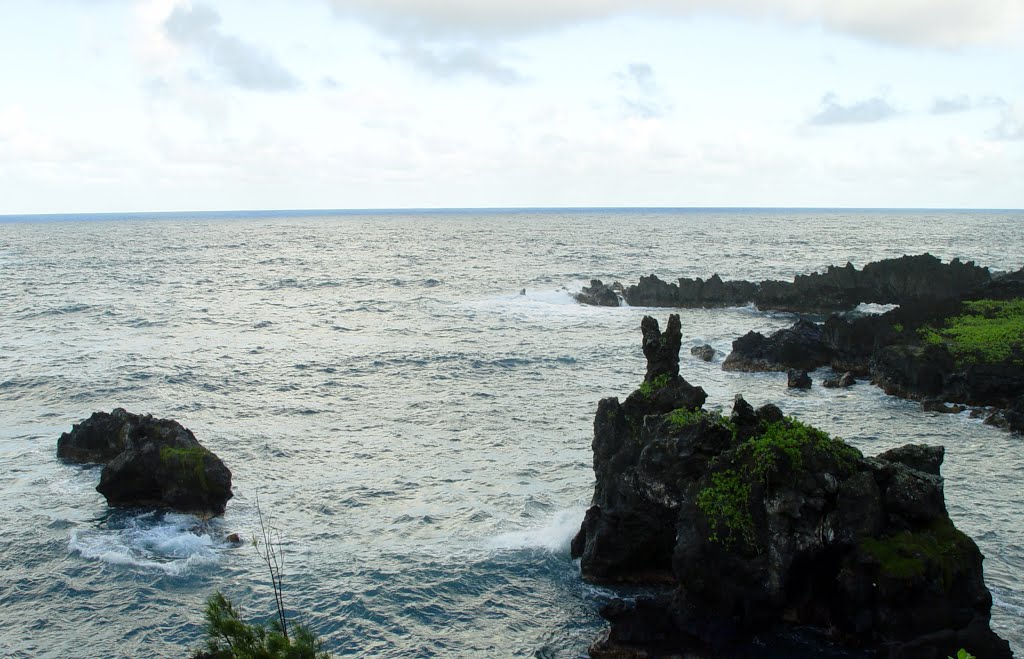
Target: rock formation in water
{"type": "Point", "coordinates": [758, 521]}
{"type": "Point", "coordinates": [968, 350]}
{"type": "Point", "coordinates": [599, 294]}
{"type": "Point", "coordinates": [704, 352]}
{"type": "Point", "coordinates": [148, 462]}
{"type": "Point", "coordinates": [889, 281]}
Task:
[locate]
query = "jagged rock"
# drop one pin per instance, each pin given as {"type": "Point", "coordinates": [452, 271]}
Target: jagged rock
{"type": "Point", "coordinates": [889, 281]}
{"type": "Point", "coordinates": [798, 379]}
{"type": "Point", "coordinates": [757, 521]}
{"type": "Point", "coordinates": [598, 294]}
{"type": "Point", "coordinates": [839, 381]}
{"type": "Point", "coordinates": [704, 352]}
{"type": "Point", "coordinates": [799, 346]}
{"type": "Point", "coordinates": [148, 462]}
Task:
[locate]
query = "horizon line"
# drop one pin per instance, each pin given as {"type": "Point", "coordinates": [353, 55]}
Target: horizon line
{"type": "Point", "coordinates": [464, 209]}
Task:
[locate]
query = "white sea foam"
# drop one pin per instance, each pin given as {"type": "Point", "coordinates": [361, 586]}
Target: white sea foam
{"type": "Point", "coordinates": [554, 535]}
{"type": "Point", "coordinates": [172, 543]}
{"type": "Point", "coordinates": [869, 308]}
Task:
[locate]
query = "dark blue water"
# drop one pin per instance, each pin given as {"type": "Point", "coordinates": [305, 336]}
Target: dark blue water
{"type": "Point", "coordinates": [418, 430]}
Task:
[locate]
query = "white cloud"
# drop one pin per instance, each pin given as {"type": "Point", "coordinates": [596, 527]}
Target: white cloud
{"type": "Point", "coordinates": [868, 111]}
{"type": "Point", "coordinates": [451, 61]}
{"type": "Point", "coordinates": [936, 23]}
{"type": "Point", "coordinates": [242, 63]}
{"type": "Point", "coordinates": [640, 95]}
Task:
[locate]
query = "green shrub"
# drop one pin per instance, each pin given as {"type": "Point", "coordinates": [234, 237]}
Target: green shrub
{"type": "Point", "coordinates": [991, 331]}
{"type": "Point", "coordinates": [788, 438]}
{"type": "Point", "coordinates": [726, 505]}
{"type": "Point", "coordinates": [229, 637]}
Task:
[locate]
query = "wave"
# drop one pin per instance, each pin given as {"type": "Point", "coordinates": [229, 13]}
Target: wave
{"type": "Point", "coordinates": [172, 543]}
{"type": "Point", "coordinates": [554, 535]}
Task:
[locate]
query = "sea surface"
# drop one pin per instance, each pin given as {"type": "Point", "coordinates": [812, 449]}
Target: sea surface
{"type": "Point", "coordinates": [417, 429]}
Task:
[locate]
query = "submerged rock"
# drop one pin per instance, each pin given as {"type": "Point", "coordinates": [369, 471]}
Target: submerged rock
{"type": "Point", "coordinates": [758, 521]}
{"type": "Point", "coordinates": [705, 352]}
{"type": "Point", "coordinates": [149, 462]}
{"type": "Point", "coordinates": [839, 381]}
{"type": "Point", "coordinates": [797, 378]}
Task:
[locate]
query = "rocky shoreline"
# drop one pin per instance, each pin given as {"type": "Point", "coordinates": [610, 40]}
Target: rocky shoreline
{"type": "Point", "coordinates": [756, 521]}
{"type": "Point", "coordinates": [908, 279]}
{"type": "Point", "coordinates": [922, 350]}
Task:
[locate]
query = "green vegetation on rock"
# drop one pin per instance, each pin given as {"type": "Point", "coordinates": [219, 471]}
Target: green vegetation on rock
{"type": "Point", "coordinates": [908, 554]}
{"type": "Point", "coordinates": [192, 457]}
{"type": "Point", "coordinates": [788, 438]}
{"type": "Point", "coordinates": [681, 418]}
{"type": "Point", "coordinates": [647, 389]}
{"type": "Point", "coordinates": [726, 505]}
{"type": "Point", "coordinates": [990, 332]}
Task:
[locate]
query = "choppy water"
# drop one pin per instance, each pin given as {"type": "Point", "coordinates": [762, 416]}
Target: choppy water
{"type": "Point", "coordinates": [419, 431]}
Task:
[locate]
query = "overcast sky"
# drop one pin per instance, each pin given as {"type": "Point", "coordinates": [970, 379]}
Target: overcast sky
{"type": "Point", "coordinates": [120, 105]}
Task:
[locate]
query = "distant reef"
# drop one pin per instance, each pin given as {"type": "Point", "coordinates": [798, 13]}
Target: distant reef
{"type": "Point", "coordinates": [890, 281]}
{"type": "Point", "coordinates": [148, 462]}
{"type": "Point", "coordinates": [755, 522]}
{"type": "Point", "coordinates": [966, 350]}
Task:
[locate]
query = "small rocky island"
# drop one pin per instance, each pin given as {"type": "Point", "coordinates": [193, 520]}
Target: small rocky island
{"type": "Point", "coordinates": [757, 521]}
{"type": "Point", "coordinates": [148, 462]}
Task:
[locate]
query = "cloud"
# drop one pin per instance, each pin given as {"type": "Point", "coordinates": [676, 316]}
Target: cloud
{"type": "Point", "coordinates": [244, 64]}
{"type": "Point", "coordinates": [952, 105]}
{"type": "Point", "coordinates": [931, 23]}
{"type": "Point", "coordinates": [861, 112]}
{"type": "Point", "coordinates": [964, 103]}
{"type": "Point", "coordinates": [640, 95]}
{"type": "Point", "coordinates": [1010, 126]}
{"type": "Point", "coordinates": [452, 61]}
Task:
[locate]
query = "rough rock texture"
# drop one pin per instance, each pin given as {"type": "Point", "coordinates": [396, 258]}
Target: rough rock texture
{"type": "Point", "coordinates": [890, 281]}
{"type": "Point", "coordinates": [797, 378]}
{"type": "Point", "coordinates": [704, 352]}
{"type": "Point", "coordinates": [759, 521]}
{"type": "Point", "coordinates": [799, 346]}
{"type": "Point", "coordinates": [598, 294]}
{"type": "Point", "coordinates": [148, 462]}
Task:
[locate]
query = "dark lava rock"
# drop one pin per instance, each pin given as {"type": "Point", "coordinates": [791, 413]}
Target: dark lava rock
{"type": "Point", "coordinates": [148, 462]}
{"type": "Point", "coordinates": [598, 294]}
{"type": "Point", "coordinates": [937, 405]}
{"type": "Point", "coordinates": [757, 521]}
{"type": "Point", "coordinates": [799, 346]}
{"type": "Point", "coordinates": [705, 352]}
{"type": "Point", "coordinates": [798, 379]}
{"type": "Point", "coordinates": [890, 281]}
{"type": "Point", "coordinates": [839, 381]}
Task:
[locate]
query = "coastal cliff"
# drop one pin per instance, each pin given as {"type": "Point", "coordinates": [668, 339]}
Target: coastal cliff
{"type": "Point", "coordinates": [756, 521]}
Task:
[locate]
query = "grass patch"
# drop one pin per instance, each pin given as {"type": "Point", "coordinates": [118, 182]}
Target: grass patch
{"type": "Point", "coordinates": [647, 389]}
{"type": "Point", "coordinates": [726, 505]}
{"type": "Point", "coordinates": [682, 418]}
{"type": "Point", "coordinates": [191, 458]}
{"type": "Point", "coordinates": [910, 554]}
{"type": "Point", "coordinates": [990, 332]}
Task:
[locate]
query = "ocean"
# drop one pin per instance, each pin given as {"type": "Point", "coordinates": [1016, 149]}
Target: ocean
{"type": "Point", "coordinates": [416, 428]}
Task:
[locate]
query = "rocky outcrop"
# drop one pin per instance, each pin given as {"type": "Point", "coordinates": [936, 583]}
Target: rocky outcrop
{"type": "Point", "coordinates": [758, 521]}
{"type": "Point", "coordinates": [599, 294]}
{"type": "Point", "coordinates": [148, 462]}
{"type": "Point", "coordinates": [890, 281]}
{"type": "Point", "coordinates": [799, 346]}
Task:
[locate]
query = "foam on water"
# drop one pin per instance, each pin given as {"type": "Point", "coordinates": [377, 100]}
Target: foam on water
{"type": "Point", "coordinates": [554, 535]}
{"type": "Point", "coordinates": [174, 544]}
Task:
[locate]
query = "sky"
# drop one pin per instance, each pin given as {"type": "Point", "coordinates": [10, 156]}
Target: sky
{"type": "Point", "coordinates": [170, 105]}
